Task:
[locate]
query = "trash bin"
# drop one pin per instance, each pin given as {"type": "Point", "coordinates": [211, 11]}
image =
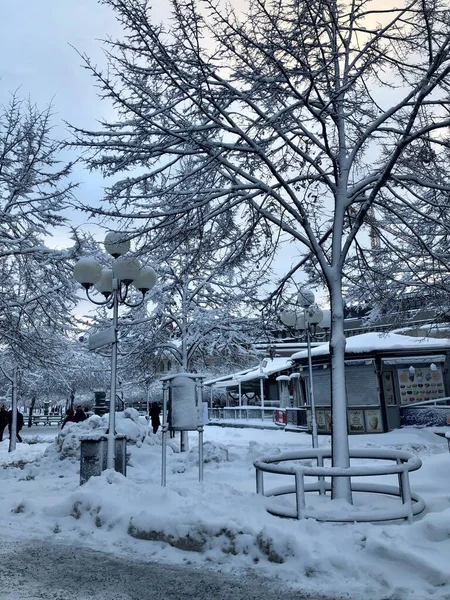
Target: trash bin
{"type": "Point", "coordinates": [94, 455]}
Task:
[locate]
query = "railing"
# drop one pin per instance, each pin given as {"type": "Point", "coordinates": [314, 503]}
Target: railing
{"type": "Point", "coordinates": [292, 417]}
{"type": "Point", "coordinates": [243, 412]}
{"type": "Point", "coordinates": [433, 402]}
{"type": "Point", "coordinates": [45, 420]}
{"type": "Point", "coordinates": [411, 504]}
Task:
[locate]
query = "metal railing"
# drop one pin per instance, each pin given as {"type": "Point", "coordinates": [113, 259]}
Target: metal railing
{"type": "Point", "coordinates": [433, 402]}
{"type": "Point", "coordinates": [243, 412]}
{"type": "Point", "coordinates": [292, 417]}
{"type": "Point", "coordinates": [45, 420]}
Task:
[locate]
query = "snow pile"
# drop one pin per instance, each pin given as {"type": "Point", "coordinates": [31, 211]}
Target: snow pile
{"type": "Point", "coordinates": [212, 453]}
{"type": "Point", "coordinates": [223, 524]}
{"type": "Point", "coordinates": [131, 425]}
{"type": "Point", "coordinates": [68, 441]}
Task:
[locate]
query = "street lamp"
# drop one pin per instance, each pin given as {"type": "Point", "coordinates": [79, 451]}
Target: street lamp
{"type": "Point", "coordinates": [262, 377]}
{"type": "Point", "coordinates": [312, 315]}
{"type": "Point", "coordinates": [114, 285]}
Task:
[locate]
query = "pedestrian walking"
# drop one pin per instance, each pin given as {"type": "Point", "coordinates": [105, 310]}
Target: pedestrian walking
{"type": "Point", "coordinates": [4, 419]}
{"type": "Point", "coordinates": [19, 424]}
{"type": "Point", "coordinates": [80, 415]}
{"type": "Point", "coordinates": [154, 415]}
{"type": "Point", "coordinates": [70, 417]}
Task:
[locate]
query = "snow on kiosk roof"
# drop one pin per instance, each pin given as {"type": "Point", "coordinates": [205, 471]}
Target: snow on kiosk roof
{"type": "Point", "coordinates": [268, 367]}
{"type": "Point", "coordinates": [373, 341]}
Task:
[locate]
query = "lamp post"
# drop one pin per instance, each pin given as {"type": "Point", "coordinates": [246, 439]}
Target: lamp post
{"type": "Point", "coordinates": [114, 285]}
{"type": "Point", "coordinates": [262, 377]}
{"type": "Point", "coordinates": [312, 315]}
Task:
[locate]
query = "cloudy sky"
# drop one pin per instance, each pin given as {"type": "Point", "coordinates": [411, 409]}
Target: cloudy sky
{"type": "Point", "coordinates": [36, 39]}
{"type": "Point", "coordinates": [39, 61]}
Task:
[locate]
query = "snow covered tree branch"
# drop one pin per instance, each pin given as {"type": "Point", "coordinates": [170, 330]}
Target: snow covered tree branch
{"type": "Point", "coordinates": [315, 120]}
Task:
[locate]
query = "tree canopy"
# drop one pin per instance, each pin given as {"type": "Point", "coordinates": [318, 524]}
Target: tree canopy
{"type": "Point", "coordinates": [306, 123]}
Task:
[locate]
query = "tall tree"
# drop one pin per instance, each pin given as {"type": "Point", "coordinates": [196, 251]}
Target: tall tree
{"type": "Point", "coordinates": [37, 290]}
{"type": "Point", "coordinates": [303, 117]}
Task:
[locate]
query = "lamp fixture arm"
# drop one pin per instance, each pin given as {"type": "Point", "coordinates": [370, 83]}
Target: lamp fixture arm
{"type": "Point", "coordinates": [123, 294]}
{"type": "Point", "coordinates": [132, 304]}
{"type": "Point", "coordinates": [105, 302]}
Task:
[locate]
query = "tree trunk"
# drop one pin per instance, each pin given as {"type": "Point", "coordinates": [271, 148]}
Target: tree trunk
{"type": "Point", "coordinates": [13, 424]}
{"type": "Point", "coordinates": [339, 433]}
{"type": "Point", "coordinates": [30, 411]}
{"type": "Point", "coordinates": [184, 435]}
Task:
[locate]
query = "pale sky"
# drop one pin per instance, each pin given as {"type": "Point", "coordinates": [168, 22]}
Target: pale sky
{"type": "Point", "coordinates": [38, 62]}
{"type": "Point", "coordinates": [37, 57]}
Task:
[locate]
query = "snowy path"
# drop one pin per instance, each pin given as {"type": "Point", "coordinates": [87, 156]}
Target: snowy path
{"type": "Point", "coordinates": [48, 571]}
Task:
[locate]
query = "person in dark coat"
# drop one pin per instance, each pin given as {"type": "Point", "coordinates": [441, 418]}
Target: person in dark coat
{"type": "Point", "coordinates": [154, 415]}
{"type": "Point", "coordinates": [70, 417]}
{"type": "Point", "coordinates": [80, 415]}
{"type": "Point", "coordinates": [4, 418]}
{"type": "Point", "coordinates": [19, 424]}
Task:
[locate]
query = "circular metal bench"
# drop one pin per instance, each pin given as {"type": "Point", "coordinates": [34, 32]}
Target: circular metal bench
{"type": "Point", "coordinates": [403, 462]}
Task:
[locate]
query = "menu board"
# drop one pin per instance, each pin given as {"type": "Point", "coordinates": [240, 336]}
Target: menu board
{"type": "Point", "coordinates": [362, 385]}
{"type": "Point", "coordinates": [374, 423]}
{"type": "Point", "coordinates": [355, 421]}
{"type": "Point", "coordinates": [388, 388]}
{"type": "Point", "coordinates": [420, 384]}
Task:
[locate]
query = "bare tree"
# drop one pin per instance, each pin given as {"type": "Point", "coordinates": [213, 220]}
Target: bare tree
{"type": "Point", "coordinates": [304, 119]}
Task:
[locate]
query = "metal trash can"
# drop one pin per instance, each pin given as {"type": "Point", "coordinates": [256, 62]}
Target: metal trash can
{"type": "Point", "coordinates": [94, 455]}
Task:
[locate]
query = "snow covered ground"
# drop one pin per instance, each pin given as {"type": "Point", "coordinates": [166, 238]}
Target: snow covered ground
{"type": "Point", "coordinates": [221, 523]}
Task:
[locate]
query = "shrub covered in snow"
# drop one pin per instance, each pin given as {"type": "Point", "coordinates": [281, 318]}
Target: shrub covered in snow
{"type": "Point", "coordinates": [212, 452]}
{"type": "Point", "coordinates": [128, 423]}
{"type": "Point", "coordinates": [67, 442]}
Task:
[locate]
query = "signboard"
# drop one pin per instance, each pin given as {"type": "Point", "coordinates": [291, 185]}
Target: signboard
{"type": "Point", "coordinates": [420, 384]}
{"type": "Point", "coordinates": [356, 421]}
{"type": "Point", "coordinates": [102, 338]}
{"type": "Point", "coordinates": [388, 388]}
{"type": "Point", "coordinates": [374, 423]}
{"type": "Point", "coordinates": [320, 420]}
{"type": "Point", "coordinates": [425, 416]}
{"type": "Point", "coordinates": [182, 400]}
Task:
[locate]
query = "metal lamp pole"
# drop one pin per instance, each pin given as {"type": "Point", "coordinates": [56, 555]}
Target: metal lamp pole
{"type": "Point", "coordinates": [112, 401]}
{"type": "Point", "coordinates": [315, 439]}
{"type": "Point", "coordinates": [114, 285]}
{"type": "Point", "coordinates": [261, 387]}
{"type": "Point", "coordinates": [311, 315]}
